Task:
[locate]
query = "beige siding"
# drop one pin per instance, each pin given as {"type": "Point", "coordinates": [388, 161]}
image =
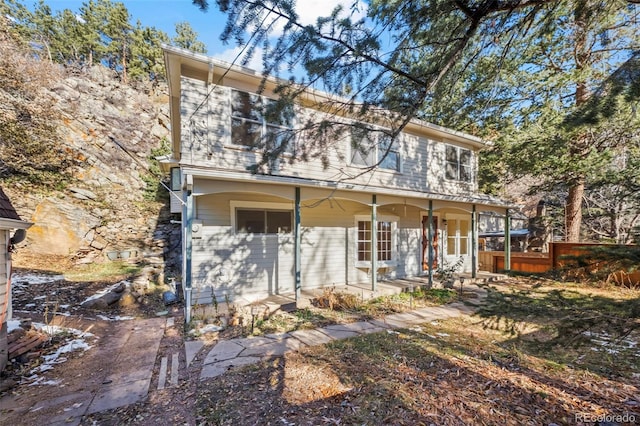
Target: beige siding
{"type": "Point", "coordinates": [253, 266]}
{"type": "Point", "coordinates": [4, 264]}
{"type": "Point", "coordinates": [241, 265]}
{"type": "Point", "coordinates": [436, 178]}
{"type": "Point", "coordinates": [175, 198]}
{"type": "Point", "coordinates": [325, 256]}
{"type": "Point", "coordinates": [207, 142]}
{"type": "Point", "coordinates": [238, 265]}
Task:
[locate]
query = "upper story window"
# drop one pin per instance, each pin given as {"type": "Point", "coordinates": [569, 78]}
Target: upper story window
{"type": "Point", "coordinates": [258, 122]}
{"type": "Point", "coordinates": [458, 164]}
{"type": "Point", "coordinates": [392, 159]}
{"type": "Point", "coordinates": [369, 148]}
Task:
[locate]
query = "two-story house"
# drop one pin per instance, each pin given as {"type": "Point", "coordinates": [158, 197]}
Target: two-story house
{"type": "Point", "coordinates": [313, 223]}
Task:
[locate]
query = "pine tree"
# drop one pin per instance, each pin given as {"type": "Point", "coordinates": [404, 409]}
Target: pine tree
{"type": "Point", "coordinates": [93, 22]}
{"type": "Point", "coordinates": [116, 33]}
{"type": "Point", "coordinates": [45, 29]}
{"type": "Point", "coordinates": [512, 69]}
{"type": "Point", "coordinates": [147, 61]}
{"type": "Point", "coordinates": [187, 38]}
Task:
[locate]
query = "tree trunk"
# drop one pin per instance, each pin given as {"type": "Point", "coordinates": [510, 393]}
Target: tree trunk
{"type": "Point", "coordinates": [573, 212]}
{"type": "Point", "coordinates": [573, 209]}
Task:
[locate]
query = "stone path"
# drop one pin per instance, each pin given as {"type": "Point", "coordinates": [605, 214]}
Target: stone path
{"type": "Point", "coordinates": [123, 377]}
{"type": "Point", "coordinates": [228, 354]}
{"type": "Point", "coordinates": [124, 362]}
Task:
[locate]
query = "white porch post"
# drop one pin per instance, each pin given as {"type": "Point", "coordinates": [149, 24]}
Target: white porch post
{"type": "Point", "coordinates": [297, 248]}
{"type": "Point", "coordinates": [374, 243]}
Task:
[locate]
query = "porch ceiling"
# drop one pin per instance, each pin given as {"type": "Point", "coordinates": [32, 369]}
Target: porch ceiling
{"type": "Point", "coordinates": [208, 181]}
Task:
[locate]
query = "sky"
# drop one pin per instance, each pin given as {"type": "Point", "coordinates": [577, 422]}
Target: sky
{"type": "Point", "coordinates": [164, 14]}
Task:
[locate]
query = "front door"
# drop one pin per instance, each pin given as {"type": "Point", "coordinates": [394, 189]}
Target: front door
{"type": "Point", "coordinates": [425, 242]}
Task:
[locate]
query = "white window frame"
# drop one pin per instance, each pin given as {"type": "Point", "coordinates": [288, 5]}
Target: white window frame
{"type": "Point", "coordinates": [256, 205]}
{"type": "Point", "coordinates": [458, 165]}
{"type": "Point", "coordinates": [394, 241]}
{"type": "Point", "coordinates": [263, 123]}
{"type": "Point", "coordinates": [457, 238]}
{"type": "Point", "coordinates": [375, 154]}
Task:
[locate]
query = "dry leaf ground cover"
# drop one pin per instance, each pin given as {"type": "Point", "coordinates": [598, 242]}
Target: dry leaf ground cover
{"type": "Point", "coordinates": [537, 353]}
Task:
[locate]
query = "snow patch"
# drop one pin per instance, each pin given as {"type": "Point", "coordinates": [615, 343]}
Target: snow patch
{"type": "Point", "coordinates": [12, 325]}
{"type": "Point", "coordinates": [49, 360]}
{"type": "Point", "coordinates": [116, 318]}
{"type": "Point", "coordinates": [21, 280]}
{"type": "Point", "coordinates": [56, 329]}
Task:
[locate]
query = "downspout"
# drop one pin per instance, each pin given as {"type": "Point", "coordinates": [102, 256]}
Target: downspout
{"type": "Point", "coordinates": [297, 248]}
{"type": "Point", "coordinates": [474, 244]}
{"type": "Point", "coordinates": [187, 276]}
{"type": "Point", "coordinates": [430, 243]}
{"type": "Point", "coordinates": [507, 241]}
{"type": "Point", "coordinates": [374, 243]}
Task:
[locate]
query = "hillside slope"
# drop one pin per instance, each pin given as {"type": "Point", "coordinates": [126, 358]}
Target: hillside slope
{"type": "Point", "coordinates": [104, 196]}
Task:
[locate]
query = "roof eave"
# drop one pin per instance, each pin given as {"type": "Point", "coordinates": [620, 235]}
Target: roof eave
{"type": "Point", "coordinates": [6, 223]}
{"type": "Point", "coordinates": [176, 57]}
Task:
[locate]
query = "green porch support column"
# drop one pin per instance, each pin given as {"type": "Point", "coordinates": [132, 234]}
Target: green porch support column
{"type": "Point", "coordinates": [507, 241]}
{"type": "Point", "coordinates": [374, 243]}
{"type": "Point", "coordinates": [188, 246]}
{"type": "Point", "coordinates": [430, 255]}
{"type": "Point", "coordinates": [298, 241]}
{"type": "Point", "coordinates": [474, 244]}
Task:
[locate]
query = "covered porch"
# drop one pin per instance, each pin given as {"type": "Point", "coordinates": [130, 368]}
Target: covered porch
{"type": "Point", "coordinates": [264, 237]}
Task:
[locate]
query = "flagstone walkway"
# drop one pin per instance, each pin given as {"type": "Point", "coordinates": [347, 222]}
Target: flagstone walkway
{"type": "Point", "coordinates": [227, 354]}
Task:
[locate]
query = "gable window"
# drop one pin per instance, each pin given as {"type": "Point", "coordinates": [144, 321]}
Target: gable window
{"type": "Point", "coordinates": [384, 241]}
{"type": "Point", "coordinates": [370, 147]}
{"type": "Point", "coordinates": [256, 122]}
{"type": "Point", "coordinates": [263, 221]}
{"type": "Point", "coordinates": [458, 164]}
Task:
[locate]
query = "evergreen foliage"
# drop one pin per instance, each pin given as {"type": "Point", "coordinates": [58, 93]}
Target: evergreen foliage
{"type": "Point", "coordinates": [100, 32]}
{"type": "Point", "coordinates": [187, 38]}
{"type": "Point", "coordinates": [533, 76]}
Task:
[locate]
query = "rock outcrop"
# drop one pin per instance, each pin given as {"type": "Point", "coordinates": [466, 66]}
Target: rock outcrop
{"type": "Point", "coordinates": [109, 130]}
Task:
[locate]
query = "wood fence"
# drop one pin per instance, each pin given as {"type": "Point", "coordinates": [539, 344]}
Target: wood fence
{"type": "Point", "coordinates": [532, 262]}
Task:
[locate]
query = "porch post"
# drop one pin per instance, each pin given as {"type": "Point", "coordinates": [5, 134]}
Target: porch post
{"type": "Point", "coordinates": [374, 243]}
{"type": "Point", "coordinates": [474, 244]}
{"type": "Point", "coordinates": [507, 241]}
{"type": "Point", "coordinates": [298, 240]}
{"type": "Point", "coordinates": [430, 243]}
{"type": "Point", "coordinates": [188, 222]}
